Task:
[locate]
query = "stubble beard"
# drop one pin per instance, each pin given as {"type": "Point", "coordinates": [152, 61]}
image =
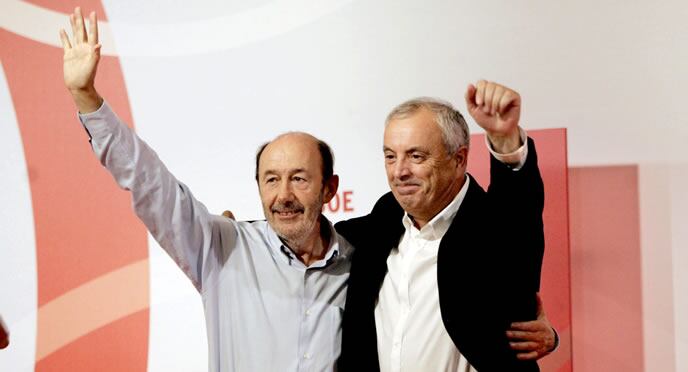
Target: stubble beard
{"type": "Point", "coordinates": [296, 235]}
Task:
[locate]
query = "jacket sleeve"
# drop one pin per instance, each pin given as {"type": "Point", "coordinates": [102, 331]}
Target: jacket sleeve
{"type": "Point", "coordinates": [521, 193]}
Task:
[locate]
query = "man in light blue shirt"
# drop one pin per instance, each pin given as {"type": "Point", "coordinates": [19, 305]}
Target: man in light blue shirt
{"type": "Point", "coordinates": [273, 291]}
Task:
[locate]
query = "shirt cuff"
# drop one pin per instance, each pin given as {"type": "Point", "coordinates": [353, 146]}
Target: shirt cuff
{"type": "Point", "coordinates": [99, 122]}
{"type": "Point", "coordinates": [515, 159]}
{"type": "Point", "coordinates": [98, 113]}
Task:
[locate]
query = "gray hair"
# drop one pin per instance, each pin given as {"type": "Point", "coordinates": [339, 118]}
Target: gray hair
{"type": "Point", "coordinates": [452, 124]}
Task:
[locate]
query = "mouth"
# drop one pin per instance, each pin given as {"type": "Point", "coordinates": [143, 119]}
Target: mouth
{"type": "Point", "coordinates": [285, 215]}
{"type": "Point", "coordinates": [406, 188]}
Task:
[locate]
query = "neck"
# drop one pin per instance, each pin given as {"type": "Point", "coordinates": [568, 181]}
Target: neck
{"type": "Point", "coordinates": [423, 219]}
{"type": "Point", "coordinates": [314, 246]}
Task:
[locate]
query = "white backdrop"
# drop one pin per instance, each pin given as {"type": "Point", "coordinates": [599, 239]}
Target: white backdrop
{"type": "Point", "coordinates": [209, 81]}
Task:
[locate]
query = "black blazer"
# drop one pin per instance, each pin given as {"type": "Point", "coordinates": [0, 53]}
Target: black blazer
{"type": "Point", "coordinates": [488, 269]}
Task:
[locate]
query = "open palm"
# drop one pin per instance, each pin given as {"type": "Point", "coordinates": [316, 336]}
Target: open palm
{"type": "Point", "coordinates": [82, 53]}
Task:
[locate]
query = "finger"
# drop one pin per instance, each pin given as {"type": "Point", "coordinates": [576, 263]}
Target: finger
{"type": "Point", "coordinates": [526, 337]}
{"type": "Point", "coordinates": [470, 97]}
{"type": "Point", "coordinates": [72, 21]}
{"type": "Point", "coordinates": [66, 45]}
{"type": "Point", "coordinates": [229, 215]}
{"type": "Point", "coordinates": [524, 346]}
{"type": "Point", "coordinates": [508, 100]}
{"type": "Point", "coordinates": [523, 335]}
{"type": "Point", "coordinates": [496, 98]}
{"type": "Point", "coordinates": [96, 51]}
{"type": "Point", "coordinates": [92, 29]}
{"type": "Point", "coordinates": [480, 93]}
{"type": "Point", "coordinates": [489, 92]}
{"type": "Point", "coordinates": [530, 326]}
{"type": "Point", "coordinates": [80, 36]}
{"type": "Point", "coordinates": [533, 355]}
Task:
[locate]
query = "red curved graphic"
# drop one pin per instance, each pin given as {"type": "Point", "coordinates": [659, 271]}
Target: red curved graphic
{"type": "Point", "coordinates": [67, 7]}
{"type": "Point", "coordinates": [84, 225]}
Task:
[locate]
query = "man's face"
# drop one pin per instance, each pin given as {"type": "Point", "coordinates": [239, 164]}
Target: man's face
{"type": "Point", "coordinates": [291, 186]}
{"type": "Point", "coordinates": [423, 177]}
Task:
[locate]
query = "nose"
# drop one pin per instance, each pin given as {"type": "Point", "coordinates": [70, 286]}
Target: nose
{"type": "Point", "coordinates": [401, 169]}
{"type": "Point", "coordinates": [285, 192]}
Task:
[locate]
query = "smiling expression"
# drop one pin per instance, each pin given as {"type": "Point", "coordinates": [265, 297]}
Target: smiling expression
{"type": "Point", "coordinates": [291, 187]}
{"type": "Point", "coordinates": [423, 177]}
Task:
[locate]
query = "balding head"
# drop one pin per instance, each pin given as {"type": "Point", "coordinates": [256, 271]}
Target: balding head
{"type": "Point", "coordinates": [295, 178]}
{"type": "Point", "coordinates": [325, 152]}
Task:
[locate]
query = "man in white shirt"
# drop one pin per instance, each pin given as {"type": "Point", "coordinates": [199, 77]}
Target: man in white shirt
{"type": "Point", "coordinates": [442, 268]}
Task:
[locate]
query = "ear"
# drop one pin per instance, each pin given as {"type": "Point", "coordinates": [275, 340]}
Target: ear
{"type": "Point", "coordinates": [330, 188]}
{"type": "Point", "coordinates": [461, 156]}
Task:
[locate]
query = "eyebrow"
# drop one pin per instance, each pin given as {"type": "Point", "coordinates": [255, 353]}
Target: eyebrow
{"type": "Point", "coordinates": [290, 171]}
{"type": "Point", "coordinates": [408, 151]}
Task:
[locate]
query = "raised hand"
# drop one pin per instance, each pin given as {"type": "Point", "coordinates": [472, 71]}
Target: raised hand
{"type": "Point", "coordinates": [81, 56]}
{"type": "Point", "coordinates": [497, 109]}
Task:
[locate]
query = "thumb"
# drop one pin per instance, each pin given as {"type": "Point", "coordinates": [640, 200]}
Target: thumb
{"type": "Point", "coordinates": [470, 97]}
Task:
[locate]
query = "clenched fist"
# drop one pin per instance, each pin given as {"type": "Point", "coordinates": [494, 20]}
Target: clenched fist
{"type": "Point", "coordinates": [497, 109]}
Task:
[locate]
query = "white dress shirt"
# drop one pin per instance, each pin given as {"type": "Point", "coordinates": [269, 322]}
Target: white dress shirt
{"type": "Point", "coordinates": [411, 336]}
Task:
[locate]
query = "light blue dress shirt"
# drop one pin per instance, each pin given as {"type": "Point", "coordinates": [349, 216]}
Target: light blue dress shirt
{"type": "Point", "coordinates": [264, 309]}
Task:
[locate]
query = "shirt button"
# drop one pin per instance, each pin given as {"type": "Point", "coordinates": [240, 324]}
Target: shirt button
{"type": "Point", "coordinates": [306, 356]}
{"type": "Point", "coordinates": [308, 312]}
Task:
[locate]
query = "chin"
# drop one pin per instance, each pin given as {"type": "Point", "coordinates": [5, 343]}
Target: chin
{"type": "Point", "coordinates": [284, 230]}
{"type": "Point", "coordinates": [289, 232]}
{"type": "Point", "coordinates": [407, 201]}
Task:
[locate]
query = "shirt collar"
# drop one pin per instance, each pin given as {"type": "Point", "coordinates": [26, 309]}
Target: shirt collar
{"type": "Point", "coordinates": [438, 225]}
{"type": "Point", "coordinates": [280, 251]}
